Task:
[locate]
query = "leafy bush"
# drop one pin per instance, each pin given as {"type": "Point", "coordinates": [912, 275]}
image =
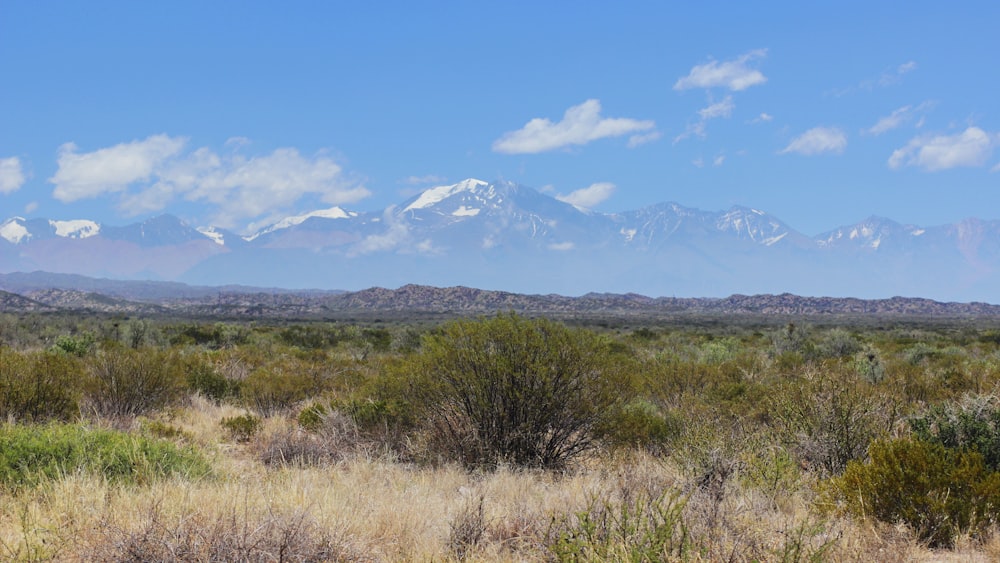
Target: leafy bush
{"type": "Point", "coordinates": [202, 377]}
{"type": "Point", "coordinates": [973, 424]}
{"type": "Point", "coordinates": [39, 386]}
{"type": "Point", "coordinates": [512, 390]}
{"type": "Point", "coordinates": [640, 424]}
{"type": "Point", "coordinates": [937, 492]}
{"type": "Point", "coordinates": [32, 454]}
{"type": "Point", "coordinates": [78, 346]}
{"type": "Point", "coordinates": [126, 383]}
{"type": "Point", "coordinates": [241, 428]}
{"type": "Point", "coordinates": [284, 382]}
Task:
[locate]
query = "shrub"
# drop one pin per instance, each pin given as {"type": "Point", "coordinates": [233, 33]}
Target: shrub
{"type": "Point", "coordinates": [202, 377]}
{"type": "Point", "coordinates": [640, 424]}
{"type": "Point", "coordinates": [637, 527]}
{"type": "Point", "coordinates": [32, 454]}
{"type": "Point", "coordinates": [510, 390]}
{"type": "Point", "coordinates": [937, 492]}
{"type": "Point", "coordinates": [127, 383]}
{"type": "Point", "coordinates": [39, 386]}
{"type": "Point", "coordinates": [241, 428]}
{"type": "Point", "coordinates": [336, 438]}
{"type": "Point", "coordinates": [234, 534]}
{"type": "Point", "coordinates": [282, 383]}
{"type": "Point", "coordinates": [973, 424]}
{"type": "Point", "coordinates": [78, 346]}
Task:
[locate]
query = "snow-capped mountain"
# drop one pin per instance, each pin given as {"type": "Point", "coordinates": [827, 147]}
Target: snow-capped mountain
{"type": "Point", "coordinates": [506, 236]}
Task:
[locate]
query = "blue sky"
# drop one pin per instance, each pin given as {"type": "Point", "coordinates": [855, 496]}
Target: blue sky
{"type": "Point", "coordinates": [237, 113]}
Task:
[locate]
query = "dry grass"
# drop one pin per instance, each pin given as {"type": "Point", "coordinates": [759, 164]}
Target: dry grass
{"type": "Point", "coordinates": [360, 507]}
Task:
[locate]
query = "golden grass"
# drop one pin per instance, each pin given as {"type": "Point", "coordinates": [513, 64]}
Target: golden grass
{"type": "Point", "coordinates": [367, 508]}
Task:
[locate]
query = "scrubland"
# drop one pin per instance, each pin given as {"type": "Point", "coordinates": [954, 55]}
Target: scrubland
{"type": "Point", "coordinates": [498, 439]}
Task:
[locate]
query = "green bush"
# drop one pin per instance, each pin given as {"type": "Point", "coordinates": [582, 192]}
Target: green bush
{"type": "Point", "coordinates": [241, 428]}
{"type": "Point", "coordinates": [640, 424]}
{"type": "Point", "coordinates": [973, 424]}
{"type": "Point", "coordinates": [511, 390]}
{"type": "Point", "coordinates": [311, 417]}
{"type": "Point", "coordinates": [36, 387]}
{"type": "Point", "coordinates": [30, 455]}
{"type": "Point", "coordinates": [126, 383]}
{"type": "Point", "coordinates": [202, 377]}
{"type": "Point", "coordinates": [937, 492]}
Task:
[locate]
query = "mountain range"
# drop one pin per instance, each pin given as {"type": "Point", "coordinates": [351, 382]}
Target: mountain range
{"type": "Point", "coordinates": [506, 236]}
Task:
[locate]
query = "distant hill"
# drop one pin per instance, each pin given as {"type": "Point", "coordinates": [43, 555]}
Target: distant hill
{"type": "Point", "coordinates": [104, 296]}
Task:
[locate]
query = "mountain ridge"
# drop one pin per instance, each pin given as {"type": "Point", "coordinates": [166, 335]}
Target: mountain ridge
{"type": "Point", "coordinates": [506, 236]}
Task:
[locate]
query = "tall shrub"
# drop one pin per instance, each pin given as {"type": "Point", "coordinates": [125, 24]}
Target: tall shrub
{"type": "Point", "coordinates": [517, 391]}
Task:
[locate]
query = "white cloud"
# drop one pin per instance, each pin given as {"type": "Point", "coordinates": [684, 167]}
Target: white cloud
{"type": "Point", "coordinates": [719, 160]}
{"type": "Point", "coordinates": [590, 196]}
{"type": "Point", "coordinates": [580, 125]}
{"type": "Point", "coordinates": [112, 169]}
{"type": "Point", "coordinates": [11, 175]}
{"type": "Point", "coordinates": [698, 162]}
{"type": "Point", "coordinates": [30, 207]}
{"type": "Point", "coordinates": [735, 75]}
{"type": "Point", "coordinates": [642, 139]}
{"type": "Point", "coordinates": [762, 118]}
{"type": "Point", "coordinates": [561, 246]}
{"type": "Point", "coordinates": [147, 175]}
{"type": "Point", "coordinates": [718, 109]}
{"type": "Point", "coordinates": [971, 147]}
{"type": "Point", "coordinates": [818, 140]}
{"type": "Point", "coordinates": [395, 235]}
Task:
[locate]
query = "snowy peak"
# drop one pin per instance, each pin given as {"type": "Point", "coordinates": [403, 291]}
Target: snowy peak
{"type": "Point", "coordinates": [869, 234]}
{"type": "Point", "coordinates": [752, 224]}
{"type": "Point", "coordinates": [433, 196]}
{"type": "Point", "coordinates": [80, 228]}
{"type": "Point", "coordinates": [13, 230]}
{"type": "Point", "coordinates": [331, 213]}
{"type": "Point", "coordinates": [17, 230]}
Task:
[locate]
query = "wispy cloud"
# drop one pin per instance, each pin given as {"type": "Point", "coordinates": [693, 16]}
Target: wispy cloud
{"type": "Point", "coordinates": [891, 77]}
{"type": "Point", "coordinates": [643, 138]}
{"type": "Point", "coordinates": [718, 109]}
{"type": "Point", "coordinates": [712, 111]}
{"type": "Point", "coordinates": [11, 175]}
{"type": "Point", "coordinates": [736, 74]}
{"type": "Point", "coordinates": [971, 147]}
{"type": "Point", "coordinates": [897, 118]}
{"type": "Point", "coordinates": [580, 125]}
{"type": "Point", "coordinates": [887, 78]}
{"type": "Point", "coordinates": [818, 140]}
{"type": "Point", "coordinates": [762, 118]}
{"type": "Point", "coordinates": [149, 174]}
{"type": "Point", "coordinates": [590, 196]}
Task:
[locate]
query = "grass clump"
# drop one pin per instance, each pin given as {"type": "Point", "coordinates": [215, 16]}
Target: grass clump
{"type": "Point", "coordinates": [30, 455]}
